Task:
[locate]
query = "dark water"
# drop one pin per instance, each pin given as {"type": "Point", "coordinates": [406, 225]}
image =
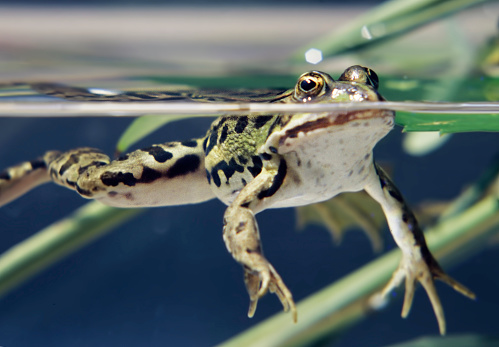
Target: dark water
{"type": "Point", "coordinates": [165, 278]}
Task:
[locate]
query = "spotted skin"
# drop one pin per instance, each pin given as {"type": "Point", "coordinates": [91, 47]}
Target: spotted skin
{"type": "Point", "coordinates": [252, 163]}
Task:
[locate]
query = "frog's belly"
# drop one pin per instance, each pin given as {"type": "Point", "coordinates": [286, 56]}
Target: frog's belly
{"type": "Point", "coordinates": [315, 186]}
{"type": "Point", "coordinates": [321, 176]}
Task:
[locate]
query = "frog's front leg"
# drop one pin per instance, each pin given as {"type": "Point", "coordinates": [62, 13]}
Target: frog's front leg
{"type": "Point", "coordinates": [417, 263]}
{"type": "Point", "coordinates": [242, 239]}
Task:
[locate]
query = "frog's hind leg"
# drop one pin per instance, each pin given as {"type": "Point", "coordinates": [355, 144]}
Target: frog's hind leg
{"type": "Point", "coordinates": [417, 263]}
{"type": "Point", "coordinates": [167, 174]}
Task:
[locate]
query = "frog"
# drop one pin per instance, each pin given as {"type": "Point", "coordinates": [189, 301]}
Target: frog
{"type": "Point", "coordinates": [251, 163]}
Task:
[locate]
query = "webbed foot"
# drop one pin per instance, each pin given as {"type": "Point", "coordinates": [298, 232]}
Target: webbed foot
{"type": "Point", "coordinates": [423, 270]}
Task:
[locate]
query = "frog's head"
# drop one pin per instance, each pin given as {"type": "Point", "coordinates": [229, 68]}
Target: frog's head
{"type": "Point", "coordinates": [356, 84]}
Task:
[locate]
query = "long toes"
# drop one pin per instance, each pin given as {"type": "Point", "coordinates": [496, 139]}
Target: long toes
{"type": "Point", "coordinates": [455, 285]}
{"type": "Point", "coordinates": [426, 281]}
{"type": "Point", "coordinates": [408, 296]}
{"type": "Point", "coordinates": [252, 308]}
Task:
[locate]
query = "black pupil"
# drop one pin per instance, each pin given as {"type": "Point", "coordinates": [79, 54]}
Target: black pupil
{"type": "Point", "coordinates": [308, 84]}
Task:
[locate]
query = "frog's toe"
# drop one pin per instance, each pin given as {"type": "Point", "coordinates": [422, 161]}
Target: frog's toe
{"type": "Point", "coordinates": [257, 285]}
{"type": "Point", "coordinates": [252, 283]}
{"type": "Point", "coordinates": [424, 271]}
{"type": "Point", "coordinates": [278, 287]}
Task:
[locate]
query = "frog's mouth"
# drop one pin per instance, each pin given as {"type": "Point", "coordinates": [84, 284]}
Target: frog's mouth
{"type": "Point", "coordinates": [338, 119]}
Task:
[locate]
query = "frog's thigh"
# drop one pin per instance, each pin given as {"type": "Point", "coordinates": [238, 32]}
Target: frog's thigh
{"type": "Point", "coordinates": [161, 175]}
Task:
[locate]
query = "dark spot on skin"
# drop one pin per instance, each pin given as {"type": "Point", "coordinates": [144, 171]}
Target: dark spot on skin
{"type": "Point", "coordinates": [240, 227]}
{"type": "Point", "coordinates": [246, 204]}
{"type": "Point", "coordinates": [273, 149]}
{"type": "Point", "coordinates": [83, 191]}
{"type": "Point", "coordinates": [149, 175]}
{"type": "Point", "coordinates": [212, 141]}
{"type": "Point", "coordinates": [243, 181]}
{"type": "Point", "coordinates": [257, 166]}
{"type": "Point", "coordinates": [242, 123]}
{"type": "Point", "coordinates": [266, 156]}
{"type": "Point", "coordinates": [367, 156]}
{"type": "Point", "coordinates": [129, 196]}
{"type": "Point", "coordinates": [361, 169]}
{"type": "Point", "coordinates": [159, 154]}
{"type": "Point", "coordinates": [242, 159]}
{"type": "Point", "coordinates": [204, 143]}
{"type": "Point", "coordinates": [82, 169]}
{"type": "Point", "coordinates": [112, 194]}
{"type": "Point", "coordinates": [227, 168]}
{"type": "Point", "coordinates": [221, 123]}
{"type": "Point", "coordinates": [260, 121]}
{"type": "Point", "coordinates": [405, 217]}
{"type": "Point", "coordinates": [208, 176]}
{"type": "Point", "coordinates": [350, 173]}
{"type": "Point", "coordinates": [114, 178]}
{"type": "Point", "coordinates": [123, 157]}
{"type": "Point", "coordinates": [4, 175]}
{"type": "Point", "coordinates": [186, 164]}
{"type": "Point", "coordinates": [190, 143]}
{"type": "Point", "coordinates": [396, 195]}
{"type": "Point", "coordinates": [70, 183]}
{"type": "Point", "coordinates": [38, 164]}
{"type": "Point", "coordinates": [257, 250]}
{"type": "Point", "coordinates": [73, 159]}
{"type": "Point", "coordinates": [223, 134]}
{"type": "Point", "coordinates": [277, 182]}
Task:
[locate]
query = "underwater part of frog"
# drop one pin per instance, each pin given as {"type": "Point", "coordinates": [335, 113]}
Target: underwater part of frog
{"type": "Point", "coordinates": [256, 162]}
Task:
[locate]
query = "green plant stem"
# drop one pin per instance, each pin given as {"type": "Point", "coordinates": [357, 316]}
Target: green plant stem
{"type": "Point", "coordinates": [384, 21]}
{"type": "Point", "coordinates": [345, 302]}
{"type": "Point", "coordinates": [57, 240]}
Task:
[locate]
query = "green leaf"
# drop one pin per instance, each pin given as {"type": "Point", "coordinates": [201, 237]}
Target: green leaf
{"type": "Point", "coordinates": [448, 123]}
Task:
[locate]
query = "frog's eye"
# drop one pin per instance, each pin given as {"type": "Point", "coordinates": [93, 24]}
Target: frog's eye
{"type": "Point", "coordinates": [309, 85]}
{"type": "Point", "coordinates": [360, 74]}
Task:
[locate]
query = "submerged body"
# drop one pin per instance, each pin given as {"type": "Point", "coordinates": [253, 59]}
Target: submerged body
{"type": "Point", "coordinates": [256, 162]}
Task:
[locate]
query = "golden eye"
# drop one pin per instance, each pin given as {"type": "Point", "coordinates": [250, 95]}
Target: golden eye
{"type": "Point", "coordinates": [309, 85]}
